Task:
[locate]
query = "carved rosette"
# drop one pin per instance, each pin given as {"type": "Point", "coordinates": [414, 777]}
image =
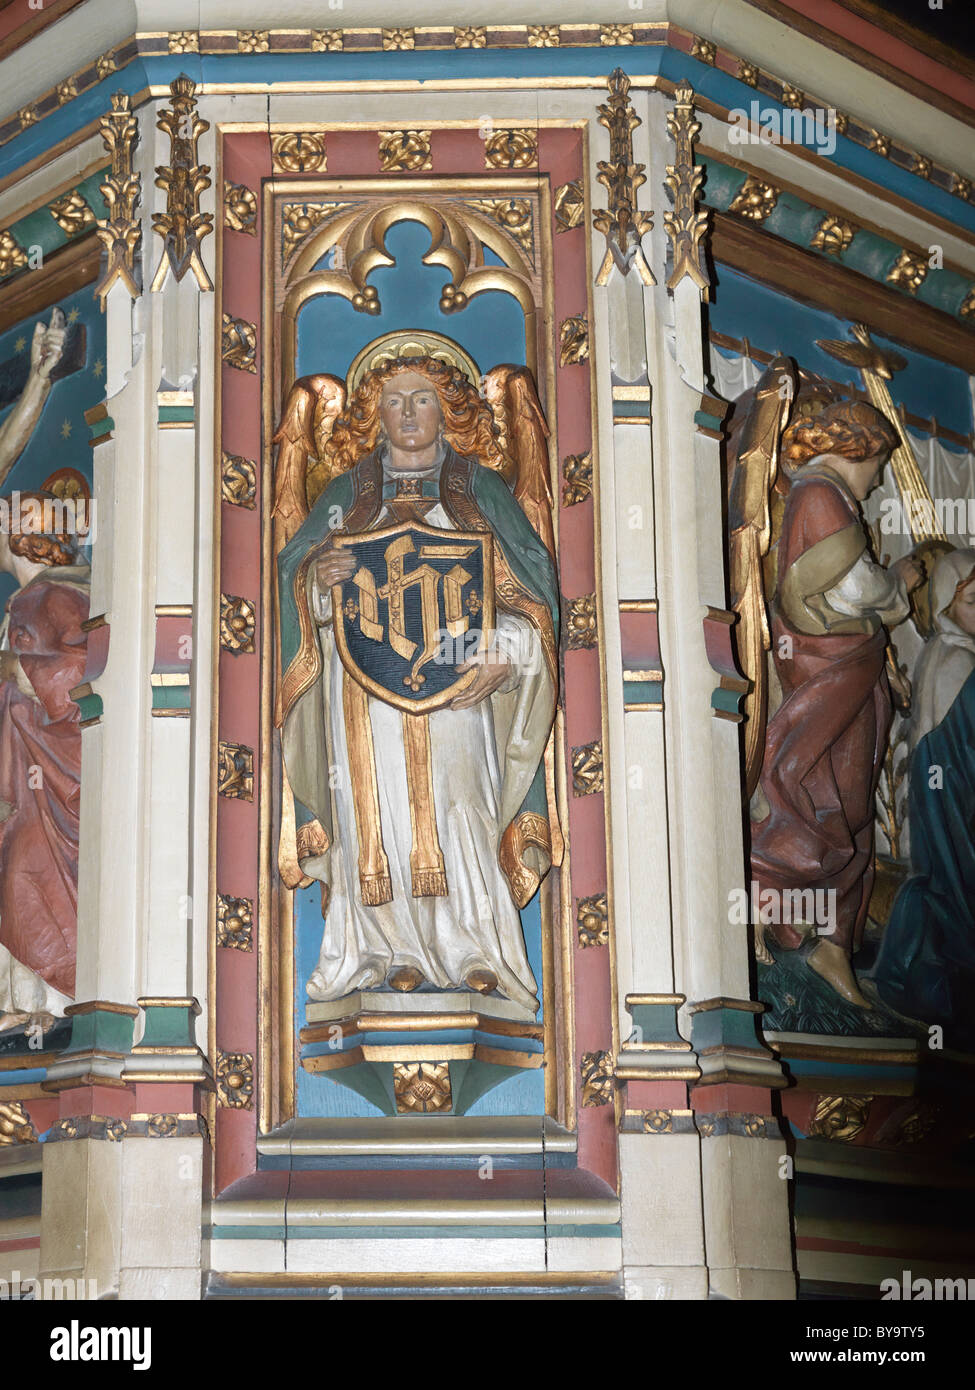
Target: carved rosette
{"type": "Point", "coordinates": [235, 923]}
{"type": "Point", "coordinates": [236, 624]}
{"type": "Point", "coordinates": [577, 472]}
{"type": "Point", "coordinates": [12, 256]}
{"type": "Point", "coordinates": [470, 36]}
{"type": "Point", "coordinates": [754, 200]}
{"type": "Point", "coordinates": [833, 236]}
{"type": "Point", "coordinates": [235, 1080]}
{"type": "Point", "coordinates": [610, 35]}
{"type": "Point", "coordinates": [240, 208]}
{"type": "Point", "coordinates": [685, 224]}
{"type": "Point", "coordinates": [597, 1078]}
{"type": "Point", "coordinates": [580, 626]}
{"type": "Point", "coordinates": [421, 1088]}
{"type": "Point", "coordinates": [72, 213]}
{"type": "Point", "coordinates": [569, 206]}
{"type": "Point", "coordinates": [573, 340]}
{"type": "Point", "coordinates": [840, 1117]}
{"type": "Point", "coordinates": [253, 41]}
{"type": "Point", "coordinates": [511, 149]}
{"type": "Point", "coordinates": [704, 51]}
{"type": "Point", "coordinates": [587, 768]}
{"type": "Point", "coordinates": [592, 919]}
{"type": "Point", "coordinates": [398, 40]}
{"type": "Point", "coordinates": [235, 771]}
{"type": "Point", "coordinates": [917, 1124]}
{"type": "Point", "coordinates": [238, 481]}
{"type": "Point", "coordinates": [182, 226]}
{"type": "Point", "coordinates": [239, 344]}
{"type": "Point", "coordinates": [908, 272]}
{"type": "Point", "coordinates": [121, 230]}
{"type": "Point", "coordinates": [404, 149]}
{"type": "Point", "coordinates": [658, 1122]}
{"type": "Point", "coordinates": [298, 152]}
{"type": "Point", "coordinates": [162, 1126]}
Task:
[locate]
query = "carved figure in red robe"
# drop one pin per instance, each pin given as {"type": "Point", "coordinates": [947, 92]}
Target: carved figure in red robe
{"type": "Point", "coordinates": [42, 658]}
{"type": "Point", "coordinates": [826, 741]}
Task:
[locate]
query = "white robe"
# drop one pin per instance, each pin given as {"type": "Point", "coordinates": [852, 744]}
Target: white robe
{"type": "Point", "coordinates": [477, 925]}
{"type": "Point", "coordinates": [948, 658]}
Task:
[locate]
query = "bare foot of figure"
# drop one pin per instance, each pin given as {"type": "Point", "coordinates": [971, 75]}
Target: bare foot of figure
{"type": "Point", "coordinates": [43, 1021]}
{"type": "Point", "coordinates": [832, 964]}
{"type": "Point", "coordinates": [10, 1021]}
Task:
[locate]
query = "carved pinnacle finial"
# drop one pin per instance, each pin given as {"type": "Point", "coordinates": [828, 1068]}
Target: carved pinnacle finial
{"type": "Point", "coordinates": [121, 231]}
{"type": "Point", "coordinates": [686, 225]}
{"type": "Point", "coordinates": [182, 226]}
{"type": "Point", "coordinates": [621, 222]}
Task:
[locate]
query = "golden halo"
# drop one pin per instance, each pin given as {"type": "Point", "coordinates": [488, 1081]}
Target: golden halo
{"type": "Point", "coordinates": [401, 346]}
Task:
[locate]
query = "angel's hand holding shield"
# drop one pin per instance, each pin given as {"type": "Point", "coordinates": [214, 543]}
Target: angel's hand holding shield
{"type": "Point", "coordinates": [335, 567]}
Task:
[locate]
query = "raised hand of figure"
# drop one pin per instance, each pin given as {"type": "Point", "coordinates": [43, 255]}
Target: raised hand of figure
{"type": "Point", "coordinates": [910, 570]}
{"type": "Point", "coordinates": [335, 567]}
{"type": "Point", "coordinates": [47, 345]}
{"type": "Point", "coordinates": [491, 675]}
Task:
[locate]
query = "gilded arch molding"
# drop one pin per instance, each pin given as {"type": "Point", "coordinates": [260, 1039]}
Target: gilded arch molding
{"type": "Point", "coordinates": [457, 238]}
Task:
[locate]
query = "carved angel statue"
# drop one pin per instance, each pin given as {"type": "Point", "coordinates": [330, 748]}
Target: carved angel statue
{"type": "Point", "coordinates": [418, 667]}
{"type": "Point", "coordinates": [820, 711]}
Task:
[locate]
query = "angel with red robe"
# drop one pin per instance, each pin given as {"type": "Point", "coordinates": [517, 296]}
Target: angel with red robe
{"type": "Point", "coordinates": [820, 710]}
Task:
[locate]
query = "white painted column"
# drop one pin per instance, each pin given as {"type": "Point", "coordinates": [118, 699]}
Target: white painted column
{"type": "Point", "coordinates": [122, 1200]}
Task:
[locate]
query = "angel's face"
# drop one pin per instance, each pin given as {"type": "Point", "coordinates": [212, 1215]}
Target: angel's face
{"type": "Point", "coordinates": [410, 412]}
{"type": "Point", "coordinates": [963, 608]}
{"type": "Point", "coordinates": [861, 475]}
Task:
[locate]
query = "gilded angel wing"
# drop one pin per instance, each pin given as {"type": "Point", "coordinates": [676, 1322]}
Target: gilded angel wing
{"type": "Point", "coordinates": [510, 392]}
{"type": "Point", "coordinates": [303, 469]}
{"type": "Point", "coordinates": [750, 529]}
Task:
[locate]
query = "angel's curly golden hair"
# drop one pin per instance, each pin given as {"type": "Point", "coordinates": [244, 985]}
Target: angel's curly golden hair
{"type": "Point", "coordinates": [43, 547]}
{"type": "Point", "coordinates": [468, 424]}
{"type": "Point", "coordinates": [854, 429]}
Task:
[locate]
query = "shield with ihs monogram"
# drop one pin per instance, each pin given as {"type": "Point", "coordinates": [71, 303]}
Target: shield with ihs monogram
{"type": "Point", "coordinates": [420, 602]}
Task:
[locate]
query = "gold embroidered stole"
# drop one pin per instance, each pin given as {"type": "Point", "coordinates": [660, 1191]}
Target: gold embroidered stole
{"type": "Point", "coordinates": [429, 878]}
